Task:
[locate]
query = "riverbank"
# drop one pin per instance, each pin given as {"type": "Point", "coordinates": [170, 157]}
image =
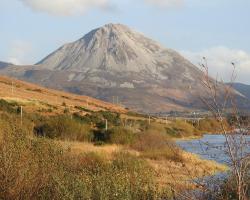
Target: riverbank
{"type": "Point", "coordinates": [169, 173]}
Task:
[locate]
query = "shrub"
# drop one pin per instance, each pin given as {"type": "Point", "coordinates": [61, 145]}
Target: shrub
{"type": "Point", "coordinates": [229, 190]}
{"type": "Point", "coordinates": [126, 177]}
{"type": "Point", "coordinates": [28, 168]}
{"type": "Point", "coordinates": [65, 128]}
{"type": "Point", "coordinates": [66, 110]}
{"type": "Point", "coordinates": [98, 118]}
{"type": "Point", "coordinates": [180, 128]}
{"type": "Point", "coordinates": [155, 145]}
{"type": "Point", "coordinates": [211, 125]}
{"type": "Point", "coordinates": [100, 137]}
{"type": "Point", "coordinates": [113, 118]}
{"type": "Point", "coordinates": [11, 122]}
{"type": "Point", "coordinates": [120, 135]}
{"type": "Point", "coordinates": [82, 109]}
{"type": "Point", "coordinates": [115, 135]}
{"type": "Point", "coordinates": [8, 107]}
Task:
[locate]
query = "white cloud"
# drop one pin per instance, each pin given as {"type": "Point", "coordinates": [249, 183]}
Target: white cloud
{"type": "Point", "coordinates": [219, 61]}
{"type": "Point", "coordinates": [78, 7]}
{"type": "Point", "coordinates": [66, 7]}
{"type": "Point", "coordinates": [20, 52]}
{"type": "Point", "coordinates": [166, 3]}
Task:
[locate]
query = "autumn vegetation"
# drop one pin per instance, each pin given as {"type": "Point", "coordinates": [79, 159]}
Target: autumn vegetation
{"type": "Point", "coordinates": [74, 156]}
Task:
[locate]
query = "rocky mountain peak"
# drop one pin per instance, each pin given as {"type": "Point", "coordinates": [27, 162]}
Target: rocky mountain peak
{"type": "Point", "coordinates": [113, 47]}
{"type": "Point", "coordinates": [107, 31]}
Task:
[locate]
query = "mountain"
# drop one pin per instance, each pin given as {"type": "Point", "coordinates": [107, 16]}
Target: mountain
{"type": "Point", "coordinates": [242, 88]}
{"type": "Point", "coordinates": [117, 64]}
{"type": "Point", "coordinates": [4, 64]}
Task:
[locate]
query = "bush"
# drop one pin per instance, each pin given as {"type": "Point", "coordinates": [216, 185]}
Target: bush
{"type": "Point", "coordinates": [12, 122]}
{"type": "Point", "coordinates": [119, 135]}
{"type": "Point", "coordinates": [155, 145]}
{"type": "Point", "coordinates": [65, 128]}
{"type": "Point", "coordinates": [116, 135]}
{"type": "Point", "coordinates": [83, 109]}
{"type": "Point", "coordinates": [66, 111]}
{"type": "Point", "coordinates": [8, 107]}
{"type": "Point", "coordinates": [126, 177]}
{"type": "Point", "coordinates": [211, 125]}
{"type": "Point", "coordinates": [180, 128]}
{"type": "Point", "coordinates": [28, 168]}
{"type": "Point", "coordinates": [98, 118]}
{"type": "Point", "coordinates": [229, 190]}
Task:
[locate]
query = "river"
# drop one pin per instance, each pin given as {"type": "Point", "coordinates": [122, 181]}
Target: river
{"type": "Point", "coordinates": [214, 147]}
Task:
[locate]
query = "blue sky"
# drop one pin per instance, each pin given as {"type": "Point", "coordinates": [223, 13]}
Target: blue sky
{"type": "Point", "coordinates": [217, 29]}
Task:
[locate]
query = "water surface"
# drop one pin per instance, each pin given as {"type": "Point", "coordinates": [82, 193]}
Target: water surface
{"type": "Point", "coordinates": [214, 147]}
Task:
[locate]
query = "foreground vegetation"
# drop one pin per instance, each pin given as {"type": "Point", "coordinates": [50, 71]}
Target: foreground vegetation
{"type": "Point", "coordinates": [76, 157]}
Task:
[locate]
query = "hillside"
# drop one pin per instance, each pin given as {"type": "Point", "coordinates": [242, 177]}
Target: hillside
{"type": "Point", "coordinates": [4, 64]}
{"type": "Point", "coordinates": [242, 88]}
{"type": "Point", "coordinates": [47, 101]}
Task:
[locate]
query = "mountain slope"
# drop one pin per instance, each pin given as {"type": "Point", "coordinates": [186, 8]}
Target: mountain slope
{"type": "Point", "coordinates": [4, 64]}
{"type": "Point", "coordinates": [117, 64]}
{"type": "Point", "coordinates": [242, 88]}
{"type": "Point", "coordinates": [39, 99]}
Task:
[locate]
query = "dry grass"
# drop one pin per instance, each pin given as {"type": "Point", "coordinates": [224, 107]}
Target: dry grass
{"type": "Point", "coordinates": [169, 173]}
{"type": "Point", "coordinates": [34, 97]}
{"type": "Point", "coordinates": [82, 147]}
{"type": "Point", "coordinates": [130, 117]}
{"type": "Point", "coordinates": [179, 174]}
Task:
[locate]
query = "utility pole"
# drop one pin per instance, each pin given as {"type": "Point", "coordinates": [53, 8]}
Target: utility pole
{"type": "Point", "coordinates": [87, 103]}
{"type": "Point", "coordinates": [149, 119]}
{"type": "Point", "coordinates": [106, 124]}
{"type": "Point", "coordinates": [12, 84]}
{"type": "Point", "coordinates": [166, 119]}
{"type": "Point", "coordinates": [12, 88]}
{"type": "Point", "coordinates": [21, 112]}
